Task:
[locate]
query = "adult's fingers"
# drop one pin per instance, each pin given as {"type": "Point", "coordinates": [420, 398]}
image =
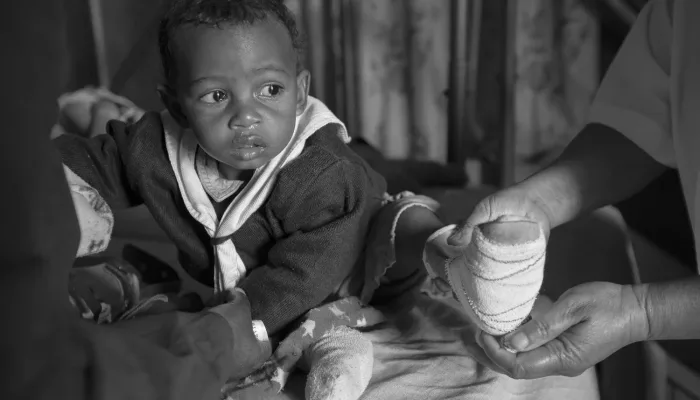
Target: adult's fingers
{"type": "Point", "coordinates": [546, 327]}
{"type": "Point", "coordinates": [478, 354]}
{"type": "Point", "coordinates": [554, 358]}
{"type": "Point", "coordinates": [504, 360]}
{"type": "Point", "coordinates": [548, 360]}
{"type": "Point", "coordinates": [482, 213]}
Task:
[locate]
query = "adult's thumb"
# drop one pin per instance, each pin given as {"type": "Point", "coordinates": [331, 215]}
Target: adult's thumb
{"type": "Point", "coordinates": [482, 213]}
{"type": "Point", "coordinates": [541, 329]}
{"type": "Point", "coordinates": [461, 235]}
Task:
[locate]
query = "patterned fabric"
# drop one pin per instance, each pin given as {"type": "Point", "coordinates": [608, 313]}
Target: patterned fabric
{"type": "Point", "coordinates": [94, 216]}
{"type": "Point", "coordinates": [318, 322]}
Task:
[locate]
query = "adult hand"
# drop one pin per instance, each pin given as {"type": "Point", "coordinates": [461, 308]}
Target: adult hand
{"type": "Point", "coordinates": [225, 335]}
{"type": "Point", "coordinates": [587, 324]}
{"type": "Point", "coordinates": [511, 204]}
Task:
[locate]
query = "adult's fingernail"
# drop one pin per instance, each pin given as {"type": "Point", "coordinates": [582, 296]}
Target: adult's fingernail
{"type": "Point", "coordinates": [517, 342]}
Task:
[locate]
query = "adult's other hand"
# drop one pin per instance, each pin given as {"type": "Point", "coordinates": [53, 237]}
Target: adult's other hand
{"type": "Point", "coordinates": [587, 324]}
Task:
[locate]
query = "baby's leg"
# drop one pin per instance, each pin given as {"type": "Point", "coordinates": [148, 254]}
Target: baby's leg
{"type": "Point", "coordinates": [341, 363]}
{"type": "Point", "coordinates": [413, 229]}
{"type": "Point", "coordinates": [395, 248]}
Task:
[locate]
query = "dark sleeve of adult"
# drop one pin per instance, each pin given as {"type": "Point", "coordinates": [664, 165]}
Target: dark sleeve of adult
{"type": "Point", "coordinates": [47, 351]}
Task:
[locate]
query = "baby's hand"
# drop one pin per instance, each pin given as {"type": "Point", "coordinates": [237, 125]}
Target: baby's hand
{"type": "Point", "coordinates": [87, 111]}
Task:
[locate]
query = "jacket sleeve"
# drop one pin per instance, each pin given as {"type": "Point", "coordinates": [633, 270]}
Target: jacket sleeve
{"type": "Point", "coordinates": [100, 162]}
{"type": "Point", "coordinates": [325, 223]}
{"type": "Point", "coordinates": [98, 182]}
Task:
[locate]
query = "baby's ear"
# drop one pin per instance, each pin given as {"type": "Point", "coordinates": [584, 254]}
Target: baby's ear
{"type": "Point", "coordinates": [303, 82]}
{"type": "Point", "coordinates": [169, 99]}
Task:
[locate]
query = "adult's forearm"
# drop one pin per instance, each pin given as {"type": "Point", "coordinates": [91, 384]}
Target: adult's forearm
{"type": "Point", "coordinates": [671, 308]}
{"type": "Point", "coordinates": [599, 167]}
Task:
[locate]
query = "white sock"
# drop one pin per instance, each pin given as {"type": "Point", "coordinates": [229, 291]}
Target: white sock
{"type": "Point", "coordinates": [341, 365]}
{"type": "Point", "coordinates": [496, 283]}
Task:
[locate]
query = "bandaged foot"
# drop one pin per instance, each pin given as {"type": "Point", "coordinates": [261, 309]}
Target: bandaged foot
{"type": "Point", "coordinates": [341, 365]}
{"type": "Point", "coordinates": [497, 277]}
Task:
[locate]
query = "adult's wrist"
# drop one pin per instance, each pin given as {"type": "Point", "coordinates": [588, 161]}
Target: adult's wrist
{"type": "Point", "coordinates": [636, 298]}
{"type": "Point", "coordinates": [556, 191]}
{"type": "Point", "coordinates": [533, 192]}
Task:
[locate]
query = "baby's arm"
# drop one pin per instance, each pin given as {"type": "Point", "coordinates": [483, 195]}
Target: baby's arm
{"type": "Point", "coordinates": [325, 223]}
{"type": "Point", "coordinates": [97, 176]}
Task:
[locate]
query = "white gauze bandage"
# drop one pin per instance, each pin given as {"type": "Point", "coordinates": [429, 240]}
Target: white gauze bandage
{"type": "Point", "coordinates": [497, 277]}
{"type": "Point", "coordinates": [341, 365]}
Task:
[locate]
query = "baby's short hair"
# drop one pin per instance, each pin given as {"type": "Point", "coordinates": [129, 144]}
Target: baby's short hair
{"type": "Point", "coordinates": [214, 13]}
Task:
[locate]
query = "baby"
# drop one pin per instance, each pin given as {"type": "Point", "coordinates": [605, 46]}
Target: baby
{"type": "Point", "coordinates": [249, 176]}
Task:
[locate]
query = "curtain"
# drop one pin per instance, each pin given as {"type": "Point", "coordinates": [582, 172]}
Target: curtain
{"type": "Point", "coordinates": [556, 67]}
{"type": "Point", "coordinates": [388, 62]}
{"type": "Point", "coordinates": [389, 59]}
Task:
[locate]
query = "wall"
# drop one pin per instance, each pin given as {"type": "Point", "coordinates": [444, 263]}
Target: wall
{"type": "Point", "coordinates": [132, 56]}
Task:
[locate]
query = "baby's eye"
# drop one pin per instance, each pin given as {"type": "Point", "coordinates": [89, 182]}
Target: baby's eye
{"type": "Point", "coordinates": [271, 90]}
{"type": "Point", "coordinates": [217, 96]}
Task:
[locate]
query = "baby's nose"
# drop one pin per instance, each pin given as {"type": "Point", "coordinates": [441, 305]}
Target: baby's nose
{"type": "Point", "coordinates": [244, 117]}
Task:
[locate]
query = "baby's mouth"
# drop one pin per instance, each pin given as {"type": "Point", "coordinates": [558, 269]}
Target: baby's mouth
{"type": "Point", "coordinates": [248, 142]}
{"type": "Point", "coordinates": [248, 147]}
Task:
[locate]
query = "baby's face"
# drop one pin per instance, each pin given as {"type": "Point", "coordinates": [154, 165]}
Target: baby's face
{"type": "Point", "coordinates": [239, 91]}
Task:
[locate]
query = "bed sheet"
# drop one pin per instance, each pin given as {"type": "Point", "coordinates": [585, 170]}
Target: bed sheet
{"type": "Point", "coordinates": [423, 353]}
